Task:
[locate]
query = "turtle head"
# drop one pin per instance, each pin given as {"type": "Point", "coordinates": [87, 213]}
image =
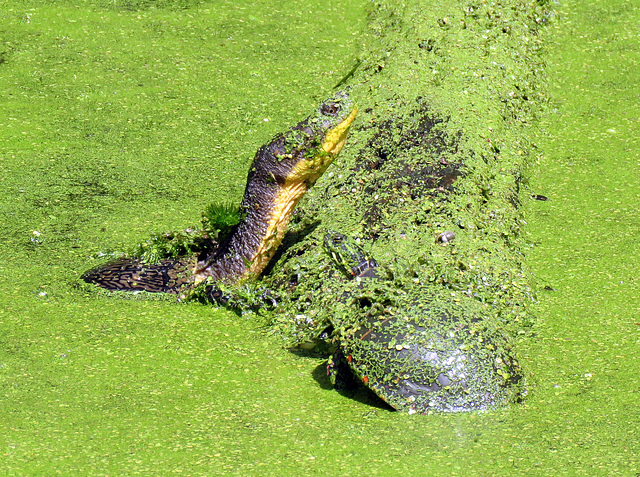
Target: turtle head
{"type": "Point", "coordinates": [348, 256]}
{"type": "Point", "coordinates": [326, 133]}
{"type": "Point", "coordinates": [336, 135]}
{"type": "Point", "coordinates": [337, 114]}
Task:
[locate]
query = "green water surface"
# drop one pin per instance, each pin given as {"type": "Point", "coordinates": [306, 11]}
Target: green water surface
{"type": "Point", "coordinates": [121, 119]}
{"type": "Point", "coordinates": [585, 244]}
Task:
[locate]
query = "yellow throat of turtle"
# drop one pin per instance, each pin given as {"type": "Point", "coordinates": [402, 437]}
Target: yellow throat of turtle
{"type": "Point", "coordinates": [296, 184]}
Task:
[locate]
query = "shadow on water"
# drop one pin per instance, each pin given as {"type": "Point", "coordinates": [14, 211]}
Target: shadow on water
{"type": "Point", "coordinates": [356, 392]}
{"type": "Point", "coordinates": [359, 393]}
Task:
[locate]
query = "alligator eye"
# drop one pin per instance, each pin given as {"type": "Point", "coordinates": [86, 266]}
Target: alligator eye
{"type": "Point", "coordinates": [330, 109]}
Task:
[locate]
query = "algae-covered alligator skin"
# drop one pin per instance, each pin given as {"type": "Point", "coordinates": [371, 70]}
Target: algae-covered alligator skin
{"type": "Point", "coordinates": [430, 186]}
{"type": "Point", "coordinates": [281, 173]}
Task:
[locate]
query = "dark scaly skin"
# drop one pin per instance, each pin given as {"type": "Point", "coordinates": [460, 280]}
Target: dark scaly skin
{"type": "Point", "coordinates": [168, 276]}
{"type": "Point", "coordinates": [428, 357]}
{"type": "Point", "coordinates": [281, 173]}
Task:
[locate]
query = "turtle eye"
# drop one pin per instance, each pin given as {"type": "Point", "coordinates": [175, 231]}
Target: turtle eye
{"type": "Point", "coordinates": [330, 109]}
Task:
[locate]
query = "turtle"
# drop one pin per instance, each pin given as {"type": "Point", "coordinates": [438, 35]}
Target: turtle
{"type": "Point", "coordinates": [419, 356]}
{"type": "Point", "coordinates": [282, 171]}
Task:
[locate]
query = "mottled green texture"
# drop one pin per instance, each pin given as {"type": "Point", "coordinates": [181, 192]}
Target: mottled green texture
{"type": "Point", "coordinates": [420, 165]}
{"type": "Point", "coordinates": [435, 355]}
{"type": "Point", "coordinates": [584, 245]}
{"type": "Point", "coordinates": [441, 145]}
{"type": "Point", "coordinates": [218, 220]}
{"type": "Point", "coordinates": [238, 242]}
{"type": "Point", "coordinates": [430, 352]}
{"type": "Point", "coordinates": [95, 386]}
{"type": "Point", "coordinates": [419, 124]}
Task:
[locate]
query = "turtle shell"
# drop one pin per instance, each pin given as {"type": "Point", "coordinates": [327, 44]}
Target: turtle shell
{"type": "Point", "coordinates": [435, 356]}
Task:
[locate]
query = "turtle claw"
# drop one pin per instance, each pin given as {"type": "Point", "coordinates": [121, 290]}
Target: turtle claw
{"type": "Point", "coordinates": [339, 372]}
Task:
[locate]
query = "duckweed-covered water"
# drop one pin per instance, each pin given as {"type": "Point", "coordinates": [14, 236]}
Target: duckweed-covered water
{"type": "Point", "coordinates": [121, 119]}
